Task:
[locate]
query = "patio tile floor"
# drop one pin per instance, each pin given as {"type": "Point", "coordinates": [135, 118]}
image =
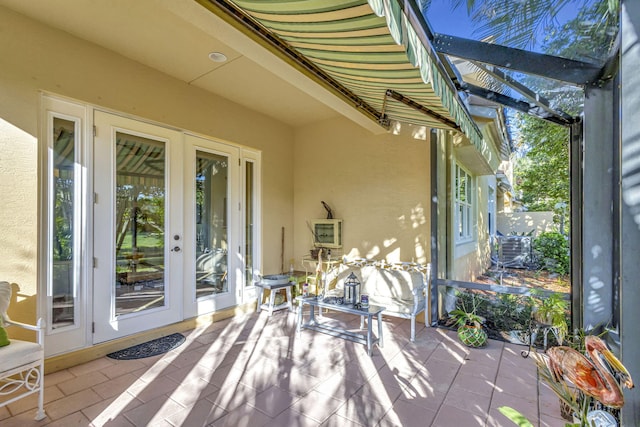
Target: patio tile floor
{"type": "Point", "coordinates": [254, 370]}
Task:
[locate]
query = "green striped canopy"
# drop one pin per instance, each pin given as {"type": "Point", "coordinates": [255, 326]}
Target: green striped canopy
{"type": "Point", "coordinates": [369, 47]}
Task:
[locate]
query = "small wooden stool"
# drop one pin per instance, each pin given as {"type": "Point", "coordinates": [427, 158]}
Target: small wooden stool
{"type": "Point", "coordinates": [274, 285]}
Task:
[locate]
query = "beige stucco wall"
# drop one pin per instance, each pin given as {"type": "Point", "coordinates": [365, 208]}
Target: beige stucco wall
{"type": "Point", "coordinates": [18, 218]}
{"type": "Point", "coordinates": [473, 258]}
{"type": "Point", "coordinates": [36, 58]}
{"type": "Point", "coordinates": [525, 222]}
{"type": "Point", "coordinates": [465, 261]}
{"type": "Point", "coordinates": [378, 185]}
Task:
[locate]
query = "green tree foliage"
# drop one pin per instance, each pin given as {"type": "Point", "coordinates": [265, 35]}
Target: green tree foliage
{"type": "Point", "coordinates": [589, 37]}
{"type": "Point", "coordinates": [542, 163]}
{"type": "Point", "coordinates": [552, 251]}
{"type": "Point", "coordinates": [542, 173]}
{"type": "Point", "coordinates": [521, 23]}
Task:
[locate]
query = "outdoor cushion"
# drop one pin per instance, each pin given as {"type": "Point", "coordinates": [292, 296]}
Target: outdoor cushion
{"type": "Point", "coordinates": [24, 351]}
{"type": "Point", "coordinates": [394, 284]}
{"type": "Point", "coordinates": [392, 305]}
{"type": "Point", "coordinates": [336, 277]}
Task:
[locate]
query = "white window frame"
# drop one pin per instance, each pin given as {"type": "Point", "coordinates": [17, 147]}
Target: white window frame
{"type": "Point", "coordinates": [77, 335]}
{"type": "Point", "coordinates": [254, 157]}
{"type": "Point", "coordinates": [464, 205]}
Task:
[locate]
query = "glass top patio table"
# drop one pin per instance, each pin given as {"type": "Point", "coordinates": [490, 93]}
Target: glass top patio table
{"type": "Point", "coordinates": [313, 324]}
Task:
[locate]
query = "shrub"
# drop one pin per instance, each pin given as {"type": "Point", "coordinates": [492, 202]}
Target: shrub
{"type": "Point", "coordinates": [552, 251]}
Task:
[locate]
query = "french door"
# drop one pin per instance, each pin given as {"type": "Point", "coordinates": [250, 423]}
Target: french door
{"type": "Point", "coordinates": [146, 225]}
{"type": "Point", "coordinates": [138, 231]}
{"type": "Point", "coordinates": [212, 225]}
{"type": "Point", "coordinates": [167, 226]}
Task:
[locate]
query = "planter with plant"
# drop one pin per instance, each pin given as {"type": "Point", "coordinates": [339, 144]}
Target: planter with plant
{"type": "Point", "coordinates": [551, 311]}
{"type": "Point", "coordinates": [470, 330]}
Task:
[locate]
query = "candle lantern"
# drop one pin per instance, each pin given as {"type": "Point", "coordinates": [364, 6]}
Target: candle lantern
{"type": "Point", "coordinates": [351, 290]}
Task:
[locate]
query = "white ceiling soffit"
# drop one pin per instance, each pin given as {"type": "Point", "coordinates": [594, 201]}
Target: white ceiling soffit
{"type": "Point", "coordinates": [176, 37]}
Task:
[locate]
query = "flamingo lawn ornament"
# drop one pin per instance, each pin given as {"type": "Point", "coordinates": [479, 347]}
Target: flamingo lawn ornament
{"type": "Point", "coordinates": [591, 375]}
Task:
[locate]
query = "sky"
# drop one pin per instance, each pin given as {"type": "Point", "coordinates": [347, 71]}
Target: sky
{"type": "Point", "coordinates": [444, 19]}
{"type": "Point", "coordinates": [447, 21]}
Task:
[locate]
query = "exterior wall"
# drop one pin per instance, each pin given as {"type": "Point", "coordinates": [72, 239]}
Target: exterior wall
{"type": "Point", "coordinates": [490, 149]}
{"type": "Point", "coordinates": [378, 185]}
{"type": "Point", "coordinates": [467, 260]}
{"type": "Point", "coordinates": [473, 258]}
{"type": "Point", "coordinates": [36, 58]}
{"type": "Point", "coordinates": [444, 206]}
{"type": "Point", "coordinates": [18, 217]}
{"type": "Point", "coordinates": [524, 222]}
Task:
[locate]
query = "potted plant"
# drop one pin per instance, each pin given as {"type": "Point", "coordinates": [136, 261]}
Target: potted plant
{"type": "Point", "coordinates": [470, 330]}
{"type": "Point", "coordinates": [552, 311]}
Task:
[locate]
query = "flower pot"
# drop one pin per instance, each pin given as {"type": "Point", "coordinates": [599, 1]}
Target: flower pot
{"type": "Point", "coordinates": [472, 336]}
{"type": "Point", "coordinates": [542, 320]}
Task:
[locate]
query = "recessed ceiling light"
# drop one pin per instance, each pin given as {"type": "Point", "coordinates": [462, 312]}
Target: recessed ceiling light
{"type": "Point", "coordinates": [217, 57]}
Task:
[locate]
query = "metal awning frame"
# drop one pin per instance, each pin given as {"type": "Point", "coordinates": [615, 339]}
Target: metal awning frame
{"type": "Point", "coordinates": [553, 67]}
{"type": "Point", "coordinates": [488, 55]}
{"type": "Point", "coordinates": [390, 93]}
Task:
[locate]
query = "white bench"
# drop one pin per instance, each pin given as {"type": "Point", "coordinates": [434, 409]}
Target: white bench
{"type": "Point", "coordinates": [401, 288]}
{"type": "Point", "coordinates": [21, 362]}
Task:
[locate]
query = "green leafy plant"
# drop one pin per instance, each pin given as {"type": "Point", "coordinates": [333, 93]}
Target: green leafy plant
{"type": "Point", "coordinates": [470, 330]}
{"type": "Point", "coordinates": [466, 309]}
{"type": "Point", "coordinates": [552, 251]}
{"type": "Point", "coordinates": [508, 312]}
{"type": "Point", "coordinates": [552, 310]}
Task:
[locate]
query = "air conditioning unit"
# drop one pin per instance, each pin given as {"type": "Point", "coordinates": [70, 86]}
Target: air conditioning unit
{"type": "Point", "coordinates": [514, 251]}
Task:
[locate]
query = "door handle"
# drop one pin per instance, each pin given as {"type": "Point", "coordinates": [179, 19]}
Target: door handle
{"type": "Point", "coordinates": [175, 249]}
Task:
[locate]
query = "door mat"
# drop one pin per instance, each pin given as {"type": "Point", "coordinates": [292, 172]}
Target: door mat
{"type": "Point", "coordinates": [149, 348]}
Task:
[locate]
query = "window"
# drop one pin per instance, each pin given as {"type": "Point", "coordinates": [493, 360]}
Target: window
{"type": "Point", "coordinates": [463, 205]}
{"type": "Point", "coordinates": [63, 220]}
{"type": "Point", "coordinates": [251, 161]}
{"type": "Point", "coordinates": [249, 230]}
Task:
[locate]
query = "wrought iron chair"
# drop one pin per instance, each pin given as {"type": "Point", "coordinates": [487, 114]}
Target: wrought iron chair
{"type": "Point", "coordinates": [21, 362]}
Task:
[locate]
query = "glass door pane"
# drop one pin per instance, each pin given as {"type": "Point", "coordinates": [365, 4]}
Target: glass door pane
{"type": "Point", "coordinates": [63, 240]}
{"type": "Point", "coordinates": [249, 225]}
{"type": "Point", "coordinates": [137, 226]}
{"type": "Point", "coordinates": [140, 224]}
{"type": "Point", "coordinates": [211, 183]}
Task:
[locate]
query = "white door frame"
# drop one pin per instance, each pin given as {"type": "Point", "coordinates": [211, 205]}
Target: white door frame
{"type": "Point", "coordinates": [107, 325]}
{"type": "Point", "coordinates": [96, 193]}
{"type": "Point", "coordinates": [196, 306]}
{"type": "Point", "coordinates": [74, 336]}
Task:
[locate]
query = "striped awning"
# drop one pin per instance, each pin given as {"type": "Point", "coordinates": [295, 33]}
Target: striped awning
{"type": "Point", "coordinates": [371, 48]}
{"type": "Point", "coordinates": [139, 161]}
